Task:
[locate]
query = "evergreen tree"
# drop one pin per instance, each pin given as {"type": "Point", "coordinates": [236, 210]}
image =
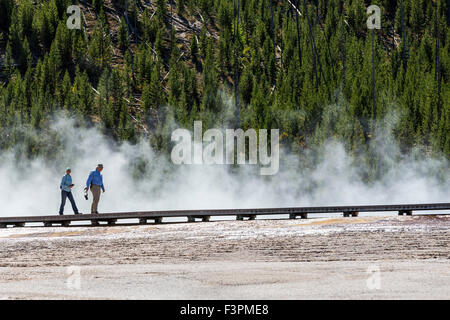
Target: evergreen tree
{"type": "Point", "coordinates": [123, 34]}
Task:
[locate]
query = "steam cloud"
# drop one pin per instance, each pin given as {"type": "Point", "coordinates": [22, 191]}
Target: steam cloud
{"type": "Point", "coordinates": [336, 178]}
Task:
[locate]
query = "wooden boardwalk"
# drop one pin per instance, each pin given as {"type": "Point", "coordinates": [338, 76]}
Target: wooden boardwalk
{"type": "Point", "coordinates": [204, 215]}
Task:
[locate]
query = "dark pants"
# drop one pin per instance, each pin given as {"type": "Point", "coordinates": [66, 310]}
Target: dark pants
{"type": "Point", "coordinates": [64, 195]}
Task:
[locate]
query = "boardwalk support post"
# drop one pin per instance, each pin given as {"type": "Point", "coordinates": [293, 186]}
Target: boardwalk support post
{"type": "Point", "coordinates": [351, 213]}
{"type": "Point", "coordinates": [158, 220]}
{"type": "Point", "coordinates": [206, 218]}
{"type": "Point", "coordinates": [112, 222]}
{"type": "Point", "coordinates": [191, 219]}
{"type": "Point", "coordinates": [406, 212]}
{"type": "Point", "coordinates": [142, 221]}
{"type": "Point", "coordinates": [241, 217]}
{"type": "Point", "coordinates": [301, 215]}
{"type": "Point", "coordinates": [48, 224]}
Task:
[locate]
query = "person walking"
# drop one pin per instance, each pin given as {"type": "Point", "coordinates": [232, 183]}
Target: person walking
{"type": "Point", "coordinates": [95, 183]}
{"type": "Point", "coordinates": [66, 192]}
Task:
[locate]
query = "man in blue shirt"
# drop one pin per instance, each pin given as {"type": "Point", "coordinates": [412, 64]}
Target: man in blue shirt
{"type": "Point", "coordinates": [66, 192]}
{"type": "Point", "coordinates": [95, 183]}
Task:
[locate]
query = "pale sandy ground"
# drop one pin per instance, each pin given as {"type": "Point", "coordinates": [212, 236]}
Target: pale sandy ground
{"type": "Point", "coordinates": [335, 258]}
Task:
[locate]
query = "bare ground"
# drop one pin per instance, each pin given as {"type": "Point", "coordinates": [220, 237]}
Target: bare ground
{"type": "Point", "coordinates": [334, 258]}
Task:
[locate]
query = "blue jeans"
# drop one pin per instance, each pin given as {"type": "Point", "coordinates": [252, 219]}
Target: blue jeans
{"type": "Point", "coordinates": [64, 195]}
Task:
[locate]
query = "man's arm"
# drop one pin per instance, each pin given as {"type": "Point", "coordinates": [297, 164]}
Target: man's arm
{"type": "Point", "coordinates": [102, 186]}
{"type": "Point", "coordinates": [89, 180]}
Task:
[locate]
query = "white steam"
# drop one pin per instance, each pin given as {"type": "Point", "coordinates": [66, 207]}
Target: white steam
{"type": "Point", "coordinates": [32, 187]}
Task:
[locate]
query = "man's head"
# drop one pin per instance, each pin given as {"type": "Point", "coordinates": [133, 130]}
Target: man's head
{"type": "Point", "coordinates": [68, 170]}
{"type": "Point", "coordinates": [100, 167]}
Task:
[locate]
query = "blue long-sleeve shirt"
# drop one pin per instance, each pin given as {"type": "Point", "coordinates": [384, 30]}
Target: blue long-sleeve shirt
{"type": "Point", "coordinates": [66, 182]}
{"type": "Point", "coordinates": [95, 177]}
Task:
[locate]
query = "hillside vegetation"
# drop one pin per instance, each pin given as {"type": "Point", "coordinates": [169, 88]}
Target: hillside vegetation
{"type": "Point", "coordinates": [138, 68]}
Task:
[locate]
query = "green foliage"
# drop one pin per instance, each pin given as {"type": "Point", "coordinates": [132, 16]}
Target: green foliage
{"type": "Point", "coordinates": [178, 72]}
{"type": "Point", "coordinates": [99, 48]}
{"type": "Point", "coordinates": [123, 34]}
{"type": "Point", "coordinates": [98, 5]}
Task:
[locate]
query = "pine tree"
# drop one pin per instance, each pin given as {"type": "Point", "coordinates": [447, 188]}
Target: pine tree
{"type": "Point", "coordinates": [9, 60]}
{"type": "Point", "coordinates": [194, 50]}
{"type": "Point", "coordinates": [123, 34]}
{"type": "Point", "coordinates": [64, 44]}
{"type": "Point", "coordinates": [99, 50]}
{"type": "Point", "coordinates": [26, 58]}
{"type": "Point", "coordinates": [83, 94]}
{"type": "Point", "coordinates": [211, 100]}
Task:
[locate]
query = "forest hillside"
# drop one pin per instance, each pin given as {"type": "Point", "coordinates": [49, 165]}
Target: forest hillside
{"type": "Point", "coordinates": [137, 67]}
